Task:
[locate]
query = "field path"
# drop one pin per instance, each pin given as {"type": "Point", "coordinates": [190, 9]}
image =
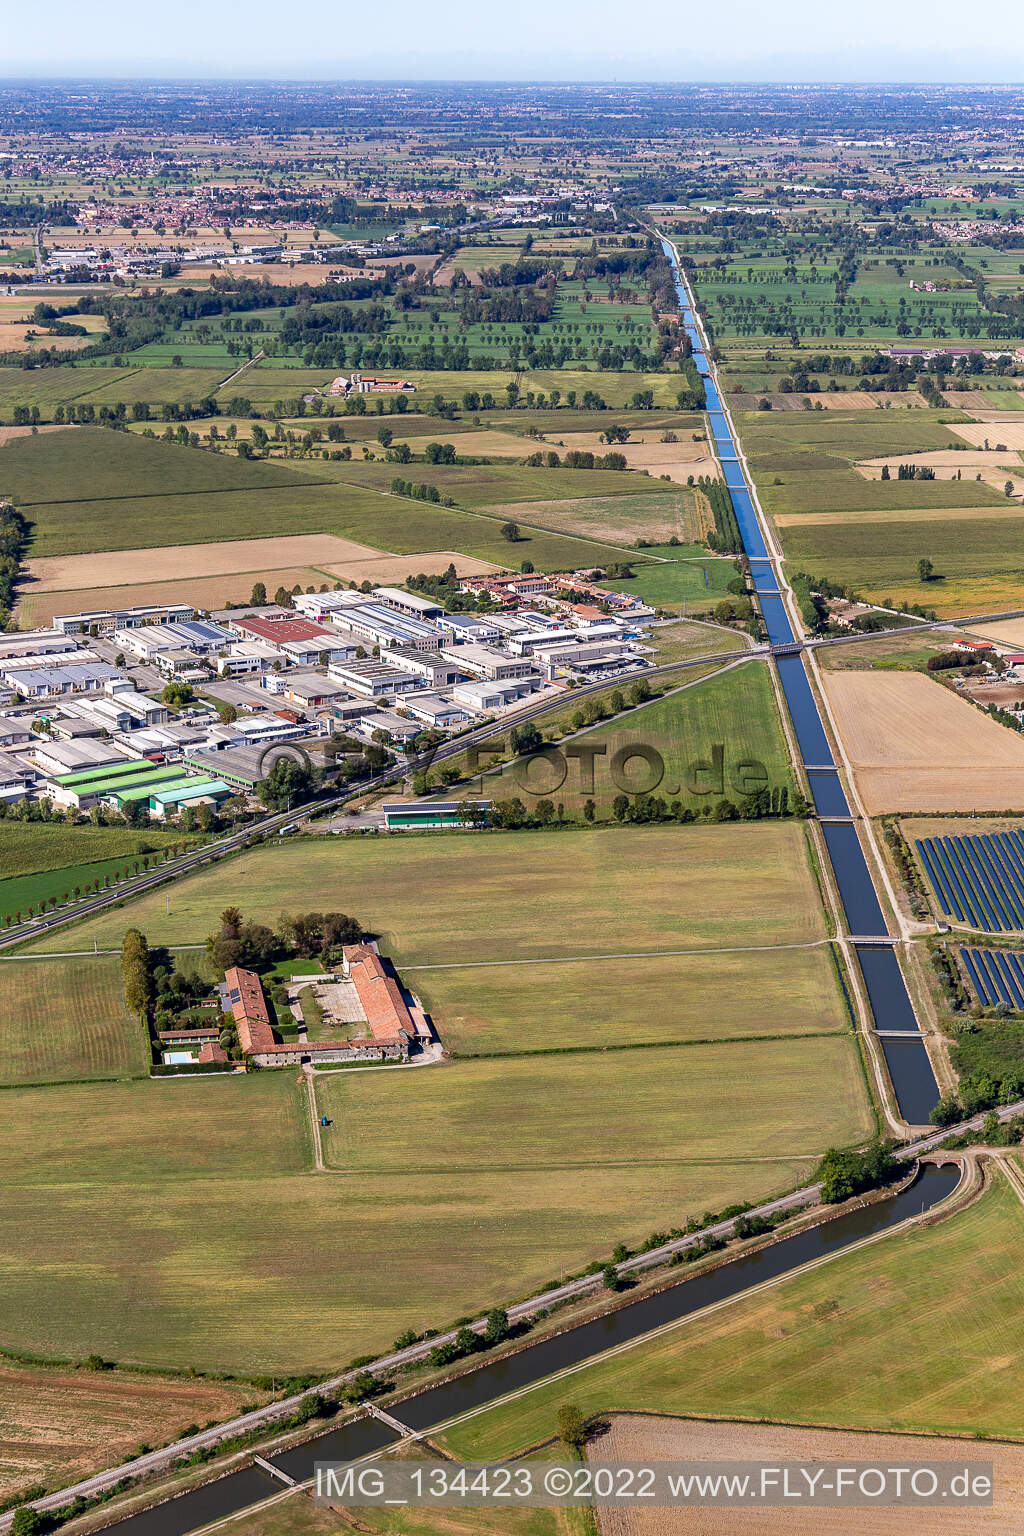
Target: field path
{"type": "Point", "coordinates": [318, 1150]}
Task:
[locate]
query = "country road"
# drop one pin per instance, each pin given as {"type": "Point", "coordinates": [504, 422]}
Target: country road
{"type": "Point", "coordinates": [160, 1460]}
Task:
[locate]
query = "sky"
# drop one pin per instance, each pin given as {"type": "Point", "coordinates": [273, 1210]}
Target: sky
{"type": "Point", "coordinates": [663, 40]}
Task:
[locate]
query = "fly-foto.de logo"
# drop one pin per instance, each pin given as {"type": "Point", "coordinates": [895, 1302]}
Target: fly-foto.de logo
{"type": "Point", "coordinates": [636, 768]}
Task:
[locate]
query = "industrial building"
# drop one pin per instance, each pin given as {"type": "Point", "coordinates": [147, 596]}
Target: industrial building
{"type": "Point", "coordinates": [433, 814]}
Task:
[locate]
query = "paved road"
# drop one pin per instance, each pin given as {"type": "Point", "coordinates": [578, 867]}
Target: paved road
{"type": "Point", "coordinates": [270, 824]}
{"type": "Point", "coordinates": [156, 1461]}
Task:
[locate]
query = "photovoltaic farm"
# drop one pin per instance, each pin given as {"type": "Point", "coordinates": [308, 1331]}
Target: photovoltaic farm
{"type": "Point", "coordinates": [997, 975]}
{"type": "Point", "coordinates": [978, 880]}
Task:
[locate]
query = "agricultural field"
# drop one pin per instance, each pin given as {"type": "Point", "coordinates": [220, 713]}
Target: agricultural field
{"type": "Point", "coordinates": [734, 712]}
{"type": "Point", "coordinates": [193, 496]}
{"type": "Point", "coordinates": [198, 1201]}
{"type": "Point", "coordinates": [40, 860]}
{"type": "Point", "coordinates": [65, 1020]}
{"type": "Point", "coordinates": [905, 1335]}
{"type": "Point", "coordinates": [621, 1001]}
{"type": "Point", "coordinates": [915, 746]}
{"type": "Point", "coordinates": [975, 552]}
{"type": "Point", "coordinates": [641, 1440]}
{"type": "Point", "coordinates": [61, 1424]}
{"type": "Point", "coordinates": [561, 892]}
{"type": "Point", "coordinates": [650, 514]}
{"type": "Point", "coordinates": [95, 464]}
{"type": "Point", "coordinates": [128, 1165]}
{"type": "Point", "coordinates": [83, 573]}
{"type": "Point", "coordinates": [581, 1111]}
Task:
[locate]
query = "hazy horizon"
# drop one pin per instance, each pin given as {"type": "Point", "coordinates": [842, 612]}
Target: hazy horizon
{"type": "Point", "coordinates": [893, 42]}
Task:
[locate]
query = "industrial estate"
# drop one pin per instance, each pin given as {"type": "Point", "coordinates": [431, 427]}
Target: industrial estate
{"type": "Point", "coordinates": [511, 791]}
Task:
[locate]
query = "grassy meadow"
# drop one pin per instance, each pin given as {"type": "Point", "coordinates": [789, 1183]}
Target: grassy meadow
{"type": "Point", "coordinates": [921, 1331]}
{"type": "Point", "coordinates": [90, 489]}
{"type": "Point", "coordinates": [601, 1004]}
{"type": "Point", "coordinates": [459, 897]}
{"type": "Point", "coordinates": [733, 710]}
{"type": "Point", "coordinates": [664, 1107]}
{"type": "Point", "coordinates": [176, 1211]}
{"type": "Point", "coordinates": [66, 1019]}
{"type": "Point", "coordinates": [197, 1198]}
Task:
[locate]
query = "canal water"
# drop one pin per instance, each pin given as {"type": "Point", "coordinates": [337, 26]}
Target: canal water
{"type": "Point", "coordinates": [490, 1382]}
{"type": "Point", "coordinates": [911, 1072]}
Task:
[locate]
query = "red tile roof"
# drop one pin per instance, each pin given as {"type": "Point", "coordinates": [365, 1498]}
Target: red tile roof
{"type": "Point", "coordinates": [249, 1007]}
{"type": "Point", "coordinates": [379, 994]}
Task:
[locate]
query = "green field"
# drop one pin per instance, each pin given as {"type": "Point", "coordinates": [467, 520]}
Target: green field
{"type": "Point", "coordinates": [393, 523]}
{"type": "Point", "coordinates": [40, 860]}
{"type": "Point", "coordinates": [559, 893]}
{"type": "Point", "coordinates": [680, 586]}
{"type": "Point", "coordinates": [478, 486]}
{"type": "Point", "coordinates": [658, 1108]}
{"type": "Point", "coordinates": [979, 561]}
{"type": "Point", "coordinates": [177, 1212]}
{"type": "Point", "coordinates": [606, 1003]}
{"type": "Point", "coordinates": [921, 1331]}
{"type": "Point", "coordinates": [734, 711]}
{"type": "Point", "coordinates": [66, 1019]}
{"type": "Point", "coordinates": [94, 464]}
{"type": "Point", "coordinates": [29, 847]}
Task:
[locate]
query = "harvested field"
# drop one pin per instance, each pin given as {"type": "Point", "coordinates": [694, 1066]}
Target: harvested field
{"type": "Point", "coordinates": [909, 515]}
{"type": "Point", "coordinates": [619, 519]}
{"type": "Point", "coordinates": [393, 569]}
{"type": "Point", "coordinates": [7, 434]}
{"type": "Point", "coordinates": [972, 401]}
{"type": "Point", "coordinates": [678, 460]}
{"type": "Point", "coordinates": [1004, 632]}
{"type": "Point", "coordinates": [642, 1439]}
{"type": "Point", "coordinates": [79, 573]}
{"type": "Point", "coordinates": [201, 591]}
{"type": "Point", "coordinates": [916, 746]}
{"type": "Point", "coordinates": [59, 1425]}
{"type": "Point", "coordinates": [993, 467]}
{"type": "Point", "coordinates": [487, 443]}
{"type": "Point", "coordinates": [848, 400]}
{"type": "Point", "coordinates": [951, 459]}
{"type": "Point", "coordinates": [1008, 431]}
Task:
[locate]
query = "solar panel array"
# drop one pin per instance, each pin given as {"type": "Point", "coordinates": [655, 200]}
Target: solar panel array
{"type": "Point", "coordinates": [978, 880]}
{"type": "Point", "coordinates": [997, 974]}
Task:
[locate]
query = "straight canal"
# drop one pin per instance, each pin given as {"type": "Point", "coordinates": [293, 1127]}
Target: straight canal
{"type": "Point", "coordinates": [907, 1060]}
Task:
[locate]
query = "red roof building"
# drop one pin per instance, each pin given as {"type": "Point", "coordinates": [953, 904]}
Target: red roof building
{"type": "Point", "coordinates": [280, 630]}
{"type": "Point", "coordinates": [249, 1008]}
{"type": "Point", "coordinates": [379, 994]}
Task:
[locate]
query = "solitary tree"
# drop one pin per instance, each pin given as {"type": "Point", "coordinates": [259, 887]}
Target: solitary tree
{"type": "Point", "coordinates": [925, 569]}
{"type": "Point", "coordinates": [572, 1427]}
{"type": "Point", "coordinates": [511, 532]}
